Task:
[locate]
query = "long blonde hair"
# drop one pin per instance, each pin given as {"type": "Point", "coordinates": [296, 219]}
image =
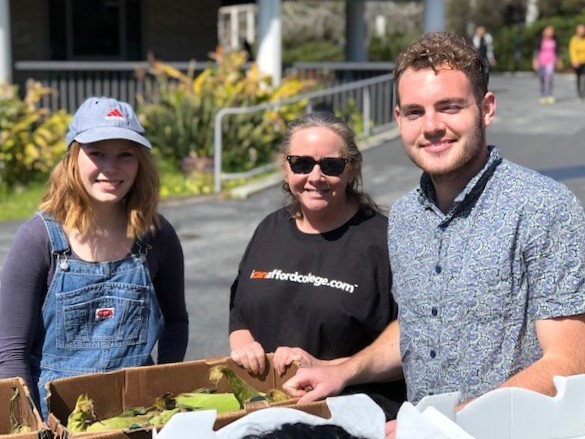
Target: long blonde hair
{"type": "Point", "coordinates": [68, 202]}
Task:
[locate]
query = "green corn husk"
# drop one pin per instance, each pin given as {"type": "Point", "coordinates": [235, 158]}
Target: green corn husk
{"type": "Point", "coordinates": [243, 391]}
{"type": "Point", "coordinates": [120, 423]}
{"type": "Point", "coordinates": [203, 399]}
{"type": "Point", "coordinates": [17, 426]}
{"type": "Point", "coordinates": [165, 402]}
{"type": "Point", "coordinates": [82, 415]}
{"type": "Point", "coordinates": [163, 417]}
{"type": "Point", "coordinates": [276, 395]}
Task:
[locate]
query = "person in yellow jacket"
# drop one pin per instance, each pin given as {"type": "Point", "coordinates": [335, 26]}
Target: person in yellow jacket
{"type": "Point", "coordinates": [577, 56]}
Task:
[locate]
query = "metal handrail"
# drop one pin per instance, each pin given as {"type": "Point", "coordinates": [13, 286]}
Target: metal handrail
{"type": "Point", "coordinates": [364, 85]}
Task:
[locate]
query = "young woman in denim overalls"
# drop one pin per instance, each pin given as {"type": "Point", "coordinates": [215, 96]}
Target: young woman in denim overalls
{"type": "Point", "coordinates": [95, 279]}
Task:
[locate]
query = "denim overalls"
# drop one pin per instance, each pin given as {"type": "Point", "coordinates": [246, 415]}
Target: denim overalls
{"type": "Point", "coordinates": [97, 316]}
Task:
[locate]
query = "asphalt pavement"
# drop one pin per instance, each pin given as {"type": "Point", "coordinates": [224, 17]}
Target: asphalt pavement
{"type": "Point", "coordinates": [214, 232]}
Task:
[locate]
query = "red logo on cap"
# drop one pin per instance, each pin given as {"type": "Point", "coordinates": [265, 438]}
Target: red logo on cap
{"type": "Point", "coordinates": [114, 114]}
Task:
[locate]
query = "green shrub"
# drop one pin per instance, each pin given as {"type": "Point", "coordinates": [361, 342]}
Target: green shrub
{"type": "Point", "coordinates": [32, 139]}
{"type": "Point", "coordinates": [388, 48]}
{"type": "Point", "coordinates": [179, 115]}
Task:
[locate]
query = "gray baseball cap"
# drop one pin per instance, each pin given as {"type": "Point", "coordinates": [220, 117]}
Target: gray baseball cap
{"type": "Point", "coordinates": [104, 119]}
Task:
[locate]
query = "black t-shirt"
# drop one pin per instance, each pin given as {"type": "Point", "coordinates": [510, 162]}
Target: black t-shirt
{"type": "Point", "coordinates": [326, 293]}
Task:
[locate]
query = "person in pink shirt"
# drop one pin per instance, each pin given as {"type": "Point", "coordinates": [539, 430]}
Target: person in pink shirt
{"type": "Point", "coordinates": [544, 63]}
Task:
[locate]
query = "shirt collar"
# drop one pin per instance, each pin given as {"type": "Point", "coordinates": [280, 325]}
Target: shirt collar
{"type": "Point", "coordinates": [426, 190]}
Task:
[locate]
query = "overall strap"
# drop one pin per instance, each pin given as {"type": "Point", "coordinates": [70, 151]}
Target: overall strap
{"type": "Point", "coordinates": [59, 244]}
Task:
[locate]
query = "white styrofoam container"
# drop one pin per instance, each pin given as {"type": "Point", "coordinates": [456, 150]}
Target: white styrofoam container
{"type": "Point", "coordinates": [358, 414]}
{"type": "Point", "coordinates": [515, 413]}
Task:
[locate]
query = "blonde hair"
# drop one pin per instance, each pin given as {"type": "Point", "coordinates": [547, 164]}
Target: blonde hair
{"type": "Point", "coordinates": [68, 202]}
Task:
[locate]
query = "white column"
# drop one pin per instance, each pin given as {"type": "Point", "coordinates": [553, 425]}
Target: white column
{"type": "Point", "coordinates": [234, 28]}
{"type": "Point", "coordinates": [269, 56]}
{"type": "Point", "coordinates": [355, 31]}
{"type": "Point", "coordinates": [250, 24]}
{"type": "Point", "coordinates": [434, 16]}
{"type": "Point", "coordinates": [5, 42]}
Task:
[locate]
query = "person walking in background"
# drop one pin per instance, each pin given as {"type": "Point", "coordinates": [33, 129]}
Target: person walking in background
{"type": "Point", "coordinates": [577, 57]}
{"type": "Point", "coordinates": [546, 56]}
{"type": "Point", "coordinates": [313, 285]}
{"type": "Point", "coordinates": [95, 279]}
{"type": "Point", "coordinates": [487, 256]}
{"type": "Point", "coordinates": [484, 43]}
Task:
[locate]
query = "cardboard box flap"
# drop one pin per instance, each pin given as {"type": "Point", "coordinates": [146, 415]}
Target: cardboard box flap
{"type": "Point", "coordinates": [105, 390]}
{"type": "Point", "coordinates": [24, 408]}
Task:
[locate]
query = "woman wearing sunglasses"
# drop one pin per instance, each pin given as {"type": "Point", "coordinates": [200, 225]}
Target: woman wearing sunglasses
{"type": "Point", "coordinates": [313, 285]}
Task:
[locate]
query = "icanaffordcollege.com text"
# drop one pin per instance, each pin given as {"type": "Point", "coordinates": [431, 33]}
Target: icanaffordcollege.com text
{"type": "Point", "coordinates": [302, 279]}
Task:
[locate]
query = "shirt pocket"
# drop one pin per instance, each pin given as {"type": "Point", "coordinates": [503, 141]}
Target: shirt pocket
{"type": "Point", "coordinates": [103, 316]}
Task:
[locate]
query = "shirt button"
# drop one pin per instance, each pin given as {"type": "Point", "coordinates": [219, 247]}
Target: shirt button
{"type": "Point", "coordinates": [433, 353]}
{"type": "Point", "coordinates": [434, 312]}
{"type": "Point", "coordinates": [438, 268]}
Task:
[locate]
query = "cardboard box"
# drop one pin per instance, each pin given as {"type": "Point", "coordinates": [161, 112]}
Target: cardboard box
{"type": "Point", "coordinates": [114, 392]}
{"type": "Point", "coordinates": [24, 410]}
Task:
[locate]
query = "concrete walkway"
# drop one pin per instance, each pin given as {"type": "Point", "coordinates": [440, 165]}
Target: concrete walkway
{"type": "Point", "coordinates": [214, 233]}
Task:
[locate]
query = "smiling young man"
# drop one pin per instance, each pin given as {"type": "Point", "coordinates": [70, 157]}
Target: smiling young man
{"type": "Point", "coordinates": [488, 257]}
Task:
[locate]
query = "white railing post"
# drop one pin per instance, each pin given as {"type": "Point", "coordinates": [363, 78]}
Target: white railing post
{"type": "Point", "coordinates": [366, 110]}
{"type": "Point", "coordinates": [217, 151]}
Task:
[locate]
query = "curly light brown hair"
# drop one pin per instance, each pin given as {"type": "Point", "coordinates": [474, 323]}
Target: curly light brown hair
{"type": "Point", "coordinates": [438, 50]}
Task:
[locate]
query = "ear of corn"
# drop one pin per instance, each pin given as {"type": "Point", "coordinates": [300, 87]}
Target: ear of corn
{"type": "Point", "coordinates": [82, 415]}
{"type": "Point", "coordinates": [222, 402]}
{"type": "Point", "coordinates": [276, 395]}
{"type": "Point", "coordinates": [243, 391]}
{"type": "Point", "coordinates": [163, 417]}
{"type": "Point", "coordinates": [124, 421]}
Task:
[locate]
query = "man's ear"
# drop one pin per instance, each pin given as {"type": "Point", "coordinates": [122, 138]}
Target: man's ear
{"type": "Point", "coordinates": [397, 115]}
{"type": "Point", "coordinates": [488, 107]}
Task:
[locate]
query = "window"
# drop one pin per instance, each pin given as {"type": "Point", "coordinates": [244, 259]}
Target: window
{"type": "Point", "coordinates": [95, 30]}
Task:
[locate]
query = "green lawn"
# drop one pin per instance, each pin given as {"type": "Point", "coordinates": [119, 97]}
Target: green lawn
{"type": "Point", "coordinates": [21, 203]}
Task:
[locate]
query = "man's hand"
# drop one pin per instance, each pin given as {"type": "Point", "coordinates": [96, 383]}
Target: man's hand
{"type": "Point", "coordinates": [314, 383]}
{"type": "Point", "coordinates": [251, 357]}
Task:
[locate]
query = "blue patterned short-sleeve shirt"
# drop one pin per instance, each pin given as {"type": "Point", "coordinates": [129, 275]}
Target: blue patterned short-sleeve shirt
{"type": "Point", "coordinates": [471, 284]}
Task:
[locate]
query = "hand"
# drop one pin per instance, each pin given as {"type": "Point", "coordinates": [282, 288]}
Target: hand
{"type": "Point", "coordinates": [251, 357]}
{"type": "Point", "coordinates": [313, 383]}
{"type": "Point", "coordinates": [390, 429]}
{"type": "Point", "coordinates": [284, 356]}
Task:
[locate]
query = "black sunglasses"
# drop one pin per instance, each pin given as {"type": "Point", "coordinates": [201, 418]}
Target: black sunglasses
{"type": "Point", "coordinates": [304, 164]}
